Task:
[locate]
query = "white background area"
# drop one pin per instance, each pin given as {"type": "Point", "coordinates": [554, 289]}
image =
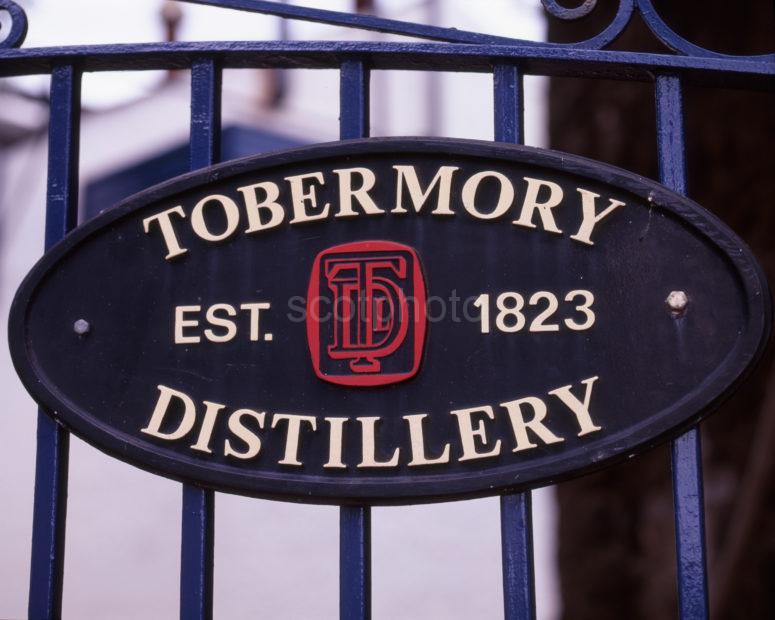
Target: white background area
{"type": "Point", "coordinates": [272, 559]}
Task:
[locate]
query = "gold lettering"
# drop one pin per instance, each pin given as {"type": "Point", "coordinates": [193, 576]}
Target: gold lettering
{"type": "Point", "coordinates": [255, 312]}
{"type": "Point", "coordinates": [181, 323]}
{"type": "Point", "coordinates": [418, 443]}
{"type": "Point", "coordinates": [335, 443]}
{"type": "Point", "coordinates": [291, 456]}
{"type": "Point", "coordinates": [253, 207]}
{"type": "Point", "coordinates": [531, 205]}
{"type": "Point", "coordinates": [505, 196]}
{"type": "Point", "coordinates": [369, 449]}
{"type": "Point", "coordinates": [213, 319]}
{"type": "Point", "coordinates": [162, 406]}
{"type": "Point", "coordinates": [230, 210]}
{"type": "Point", "coordinates": [520, 426]}
{"type": "Point", "coordinates": [469, 434]}
{"type": "Point", "coordinates": [205, 433]}
{"type": "Point", "coordinates": [167, 231]}
{"type": "Point", "coordinates": [579, 409]}
{"type": "Point", "coordinates": [250, 438]}
{"type": "Point", "coordinates": [300, 196]}
{"type": "Point", "coordinates": [361, 195]}
{"type": "Point", "coordinates": [589, 218]}
{"type": "Point", "coordinates": [406, 175]}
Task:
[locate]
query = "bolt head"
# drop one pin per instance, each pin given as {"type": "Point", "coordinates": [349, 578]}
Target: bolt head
{"type": "Point", "coordinates": [677, 301]}
{"type": "Point", "coordinates": [81, 327]}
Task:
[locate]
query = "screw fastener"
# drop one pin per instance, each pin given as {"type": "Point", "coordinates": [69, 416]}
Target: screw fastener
{"type": "Point", "coordinates": [81, 327]}
{"type": "Point", "coordinates": [677, 301]}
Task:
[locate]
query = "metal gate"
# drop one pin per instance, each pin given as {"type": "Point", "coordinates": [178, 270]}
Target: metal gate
{"type": "Point", "coordinates": [451, 50]}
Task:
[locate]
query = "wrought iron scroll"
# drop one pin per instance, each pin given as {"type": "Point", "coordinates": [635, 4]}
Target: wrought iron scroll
{"type": "Point", "coordinates": [607, 36]}
{"type": "Point", "coordinates": [18, 31]}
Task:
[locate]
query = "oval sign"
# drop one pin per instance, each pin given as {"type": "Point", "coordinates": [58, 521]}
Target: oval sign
{"type": "Point", "coordinates": [390, 321]}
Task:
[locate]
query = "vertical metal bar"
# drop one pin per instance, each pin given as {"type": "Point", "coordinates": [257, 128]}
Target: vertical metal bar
{"type": "Point", "coordinates": [508, 104]}
{"type": "Point", "coordinates": [355, 563]}
{"type": "Point", "coordinates": [205, 147]}
{"type": "Point", "coordinates": [353, 100]}
{"type": "Point", "coordinates": [198, 514]}
{"type": "Point", "coordinates": [690, 526]}
{"type": "Point", "coordinates": [517, 556]}
{"type": "Point", "coordinates": [516, 514]}
{"type": "Point", "coordinates": [53, 442]}
{"type": "Point", "coordinates": [686, 450]}
{"type": "Point", "coordinates": [354, 521]}
{"type": "Point", "coordinates": [196, 554]}
{"type": "Point", "coordinates": [670, 133]}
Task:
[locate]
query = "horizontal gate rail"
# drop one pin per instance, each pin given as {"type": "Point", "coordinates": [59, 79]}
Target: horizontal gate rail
{"type": "Point", "coordinates": [751, 72]}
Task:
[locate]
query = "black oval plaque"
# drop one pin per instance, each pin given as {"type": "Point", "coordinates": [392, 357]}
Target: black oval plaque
{"type": "Point", "coordinates": [390, 321]}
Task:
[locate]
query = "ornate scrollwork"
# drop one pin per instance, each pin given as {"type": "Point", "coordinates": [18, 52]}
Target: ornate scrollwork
{"type": "Point", "coordinates": [658, 27]}
{"type": "Point", "coordinates": [676, 42]}
{"type": "Point", "coordinates": [562, 12]}
{"type": "Point", "coordinates": [624, 12]}
{"type": "Point", "coordinates": [609, 34]}
{"type": "Point", "coordinates": [18, 29]}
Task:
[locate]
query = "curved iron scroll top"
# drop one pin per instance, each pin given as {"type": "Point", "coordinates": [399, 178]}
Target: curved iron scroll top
{"type": "Point", "coordinates": [620, 21]}
{"type": "Point", "coordinates": [18, 30]}
{"type": "Point", "coordinates": [562, 12]}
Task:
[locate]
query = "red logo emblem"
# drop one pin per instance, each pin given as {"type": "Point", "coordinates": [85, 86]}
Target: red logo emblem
{"type": "Point", "coordinates": [366, 313]}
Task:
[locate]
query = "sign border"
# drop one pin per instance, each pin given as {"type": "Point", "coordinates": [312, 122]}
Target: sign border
{"type": "Point", "coordinates": [416, 489]}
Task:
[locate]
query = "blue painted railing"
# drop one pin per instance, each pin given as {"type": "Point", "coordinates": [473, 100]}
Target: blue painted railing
{"type": "Point", "coordinates": [455, 50]}
{"type": "Point", "coordinates": [50, 509]}
{"type": "Point", "coordinates": [354, 521]}
{"type": "Point", "coordinates": [196, 544]}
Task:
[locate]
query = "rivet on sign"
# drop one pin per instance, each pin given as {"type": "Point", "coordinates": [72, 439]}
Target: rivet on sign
{"type": "Point", "coordinates": [677, 301]}
{"type": "Point", "coordinates": [81, 327]}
